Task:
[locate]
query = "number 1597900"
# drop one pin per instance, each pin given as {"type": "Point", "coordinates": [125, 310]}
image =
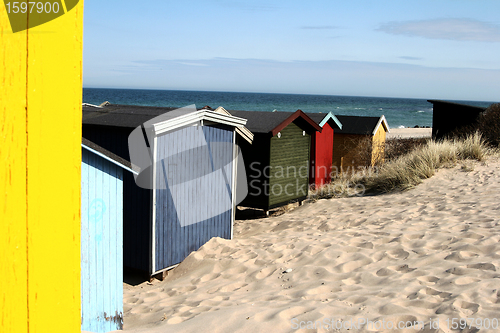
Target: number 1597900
{"type": "Point", "coordinates": [32, 7]}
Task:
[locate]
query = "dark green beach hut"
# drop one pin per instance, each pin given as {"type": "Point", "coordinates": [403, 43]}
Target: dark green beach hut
{"type": "Point", "coordinates": [277, 162]}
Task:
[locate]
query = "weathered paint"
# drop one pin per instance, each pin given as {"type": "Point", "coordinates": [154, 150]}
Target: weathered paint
{"type": "Point", "coordinates": [321, 156]}
{"type": "Point", "coordinates": [40, 175]}
{"type": "Point", "coordinates": [289, 165]}
{"type": "Point", "coordinates": [13, 205]}
{"type": "Point", "coordinates": [172, 241]}
{"type": "Point", "coordinates": [137, 201]}
{"type": "Point", "coordinates": [101, 244]}
{"type": "Point", "coordinates": [352, 151]}
{"type": "Point", "coordinates": [378, 146]}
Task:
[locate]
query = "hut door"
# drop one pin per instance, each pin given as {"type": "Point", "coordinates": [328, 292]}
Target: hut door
{"type": "Point", "coordinates": [193, 192]}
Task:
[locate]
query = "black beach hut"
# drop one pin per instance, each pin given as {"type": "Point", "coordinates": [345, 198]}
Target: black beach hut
{"type": "Point", "coordinates": [277, 162]}
{"type": "Point", "coordinates": [448, 117]}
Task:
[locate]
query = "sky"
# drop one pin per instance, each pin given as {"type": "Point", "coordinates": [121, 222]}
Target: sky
{"type": "Point", "coordinates": [431, 49]}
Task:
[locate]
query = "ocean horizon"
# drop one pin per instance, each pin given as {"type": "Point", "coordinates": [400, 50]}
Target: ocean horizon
{"type": "Point", "coordinates": [399, 112]}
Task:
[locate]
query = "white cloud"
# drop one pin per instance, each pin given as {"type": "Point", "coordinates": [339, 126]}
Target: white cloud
{"type": "Point", "coordinates": [451, 29]}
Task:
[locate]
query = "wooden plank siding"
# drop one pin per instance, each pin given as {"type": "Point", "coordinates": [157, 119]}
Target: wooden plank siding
{"type": "Point", "coordinates": [289, 162]}
{"type": "Point", "coordinates": [101, 244]}
{"type": "Point", "coordinates": [184, 159]}
{"type": "Point", "coordinates": [378, 146]}
{"type": "Point", "coordinates": [321, 156]}
{"type": "Point", "coordinates": [137, 201]}
{"type": "Point", "coordinates": [350, 151]}
{"type": "Point", "coordinates": [13, 187]}
{"type": "Point", "coordinates": [40, 157]}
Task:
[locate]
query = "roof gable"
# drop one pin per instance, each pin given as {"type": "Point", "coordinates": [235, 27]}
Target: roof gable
{"type": "Point", "coordinates": [274, 122]}
{"type": "Point", "coordinates": [244, 132]}
{"type": "Point", "coordinates": [361, 125]}
{"type": "Point", "coordinates": [321, 119]}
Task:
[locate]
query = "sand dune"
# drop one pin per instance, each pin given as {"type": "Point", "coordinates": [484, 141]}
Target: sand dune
{"type": "Point", "coordinates": [430, 254]}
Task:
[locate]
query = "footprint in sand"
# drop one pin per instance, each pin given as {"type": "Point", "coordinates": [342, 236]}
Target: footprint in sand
{"type": "Point", "coordinates": [263, 273]}
{"type": "Point", "coordinates": [428, 279]}
{"type": "Point", "coordinates": [403, 268]}
{"type": "Point", "coordinates": [434, 292]}
{"type": "Point", "coordinates": [469, 308]}
{"type": "Point", "coordinates": [384, 272]}
{"type": "Point", "coordinates": [209, 277]}
{"type": "Point", "coordinates": [399, 254]}
{"type": "Point", "coordinates": [457, 271]}
{"type": "Point", "coordinates": [455, 256]}
{"type": "Point", "coordinates": [483, 266]}
{"type": "Point", "coordinates": [465, 280]}
{"type": "Point", "coordinates": [233, 287]}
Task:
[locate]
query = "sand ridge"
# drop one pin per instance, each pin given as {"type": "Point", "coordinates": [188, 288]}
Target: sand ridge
{"type": "Point", "coordinates": [431, 253]}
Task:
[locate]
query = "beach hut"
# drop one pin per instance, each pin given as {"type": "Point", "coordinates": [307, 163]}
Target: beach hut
{"type": "Point", "coordinates": [448, 117]}
{"type": "Point", "coordinates": [277, 162]}
{"type": "Point", "coordinates": [359, 144]}
{"type": "Point", "coordinates": [322, 148]}
{"type": "Point", "coordinates": [101, 238]}
{"type": "Point", "coordinates": [191, 175]}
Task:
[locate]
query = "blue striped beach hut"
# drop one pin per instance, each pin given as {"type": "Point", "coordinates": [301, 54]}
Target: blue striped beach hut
{"type": "Point", "coordinates": [101, 238]}
{"type": "Point", "coordinates": [186, 159]}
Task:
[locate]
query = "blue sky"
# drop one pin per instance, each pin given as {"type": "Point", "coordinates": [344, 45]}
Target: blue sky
{"type": "Point", "coordinates": [433, 49]}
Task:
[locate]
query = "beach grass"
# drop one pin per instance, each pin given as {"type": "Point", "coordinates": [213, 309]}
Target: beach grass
{"type": "Point", "coordinates": [408, 170]}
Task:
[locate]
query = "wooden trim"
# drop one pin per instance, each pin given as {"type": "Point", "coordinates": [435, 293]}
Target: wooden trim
{"type": "Point", "coordinates": [164, 269]}
{"type": "Point", "coordinates": [242, 131]}
{"type": "Point", "coordinates": [109, 159]}
{"type": "Point", "coordinates": [289, 120]}
{"type": "Point", "coordinates": [384, 123]}
{"type": "Point", "coordinates": [153, 208]}
{"type": "Point", "coordinates": [233, 183]}
{"type": "Point", "coordinates": [332, 117]}
{"type": "Point", "coordinates": [195, 117]}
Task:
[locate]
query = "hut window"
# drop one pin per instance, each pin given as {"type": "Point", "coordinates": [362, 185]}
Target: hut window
{"type": "Point", "coordinates": [279, 135]}
{"type": "Point", "coordinates": [303, 133]}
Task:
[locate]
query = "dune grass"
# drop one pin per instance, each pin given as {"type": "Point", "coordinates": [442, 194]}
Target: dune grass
{"type": "Point", "coordinates": [409, 170]}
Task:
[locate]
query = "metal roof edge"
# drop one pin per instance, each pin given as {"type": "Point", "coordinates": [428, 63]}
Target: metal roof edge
{"type": "Point", "coordinates": [109, 159]}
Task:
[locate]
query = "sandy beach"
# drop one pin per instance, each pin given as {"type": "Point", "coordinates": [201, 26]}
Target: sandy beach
{"type": "Point", "coordinates": [429, 256]}
{"type": "Point", "coordinates": [405, 133]}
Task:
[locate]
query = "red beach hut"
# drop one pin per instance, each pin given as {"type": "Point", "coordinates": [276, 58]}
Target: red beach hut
{"type": "Point", "coordinates": [322, 148]}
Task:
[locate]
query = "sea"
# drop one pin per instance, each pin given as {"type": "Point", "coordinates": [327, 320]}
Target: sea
{"type": "Point", "coordinates": [399, 112]}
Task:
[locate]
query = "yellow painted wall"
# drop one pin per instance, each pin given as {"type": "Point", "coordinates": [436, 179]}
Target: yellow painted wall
{"type": "Point", "coordinates": [378, 154]}
{"type": "Point", "coordinates": [40, 158]}
{"type": "Point", "coordinates": [13, 262]}
{"type": "Point", "coordinates": [353, 152]}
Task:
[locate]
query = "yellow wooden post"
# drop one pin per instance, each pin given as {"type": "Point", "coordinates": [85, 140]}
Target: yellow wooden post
{"type": "Point", "coordinates": [40, 158]}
